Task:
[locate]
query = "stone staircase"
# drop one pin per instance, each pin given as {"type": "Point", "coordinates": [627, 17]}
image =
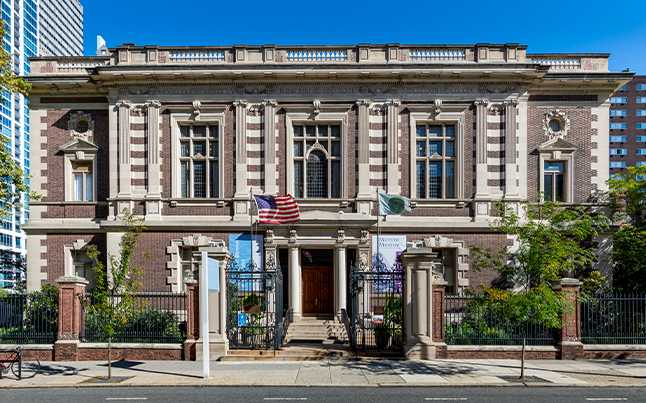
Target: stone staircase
{"type": "Point", "coordinates": [323, 330]}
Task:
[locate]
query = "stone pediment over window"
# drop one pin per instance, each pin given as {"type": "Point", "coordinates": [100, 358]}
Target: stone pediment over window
{"type": "Point", "coordinates": [557, 144]}
{"type": "Point", "coordinates": [78, 145]}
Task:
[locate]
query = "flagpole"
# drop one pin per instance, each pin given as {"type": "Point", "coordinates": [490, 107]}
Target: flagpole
{"type": "Point", "coordinates": [378, 227]}
{"type": "Point", "coordinates": [251, 262]}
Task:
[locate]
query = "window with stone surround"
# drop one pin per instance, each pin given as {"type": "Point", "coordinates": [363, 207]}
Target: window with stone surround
{"type": "Point", "coordinates": [554, 183]}
{"type": "Point", "coordinates": [82, 181]}
{"type": "Point", "coordinates": [435, 161]}
{"type": "Point", "coordinates": [199, 161]}
{"type": "Point", "coordinates": [317, 161]}
{"type": "Point", "coordinates": [189, 263]}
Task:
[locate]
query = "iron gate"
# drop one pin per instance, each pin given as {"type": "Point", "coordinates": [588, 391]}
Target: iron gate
{"type": "Point", "coordinates": [255, 309]}
{"type": "Point", "coordinates": [377, 311]}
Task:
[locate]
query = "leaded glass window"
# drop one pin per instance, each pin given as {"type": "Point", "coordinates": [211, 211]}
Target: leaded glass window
{"type": "Point", "coordinates": [435, 161]}
{"type": "Point", "coordinates": [317, 161]}
{"type": "Point", "coordinates": [199, 165]}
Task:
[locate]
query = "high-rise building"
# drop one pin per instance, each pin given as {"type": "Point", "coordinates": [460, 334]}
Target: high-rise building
{"type": "Point", "coordinates": [61, 27]}
{"type": "Point", "coordinates": [628, 125]}
{"type": "Point", "coordinates": [31, 28]}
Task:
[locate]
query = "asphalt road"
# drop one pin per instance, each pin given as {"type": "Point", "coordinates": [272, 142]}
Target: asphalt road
{"type": "Point", "coordinates": [327, 394]}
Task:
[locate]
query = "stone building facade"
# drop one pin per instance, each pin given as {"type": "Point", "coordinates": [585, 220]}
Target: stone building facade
{"type": "Point", "coordinates": [182, 136]}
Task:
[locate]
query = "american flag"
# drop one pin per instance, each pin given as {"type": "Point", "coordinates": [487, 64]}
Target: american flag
{"type": "Point", "coordinates": [277, 209]}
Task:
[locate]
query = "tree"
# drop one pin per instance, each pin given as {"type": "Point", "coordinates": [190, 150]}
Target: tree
{"type": "Point", "coordinates": [628, 193]}
{"type": "Point", "coordinates": [13, 183]}
{"type": "Point", "coordinates": [553, 242]}
{"type": "Point", "coordinates": [112, 302]}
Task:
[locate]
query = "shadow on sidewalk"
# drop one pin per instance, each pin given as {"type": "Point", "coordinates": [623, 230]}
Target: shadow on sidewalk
{"type": "Point", "coordinates": [132, 366]}
{"type": "Point", "coordinates": [403, 367]}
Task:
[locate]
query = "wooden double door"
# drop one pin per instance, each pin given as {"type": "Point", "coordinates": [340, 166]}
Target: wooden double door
{"type": "Point", "coordinates": [318, 290]}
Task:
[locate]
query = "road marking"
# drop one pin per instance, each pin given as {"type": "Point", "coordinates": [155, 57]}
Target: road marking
{"type": "Point", "coordinates": [126, 398]}
{"type": "Point", "coordinates": [286, 398]}
{"type": "Point", "coordinates": [606, 399]}
{"type": "Point", "coordinates": [446, 398]}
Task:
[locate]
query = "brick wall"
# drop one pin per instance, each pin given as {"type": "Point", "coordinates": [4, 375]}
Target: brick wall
{"type": "Point", "coordinates": [55, 256]}
{"type": "Point", "coordinates": [56, 134]}
{"type": "Point", "coordinates": [579, 135]}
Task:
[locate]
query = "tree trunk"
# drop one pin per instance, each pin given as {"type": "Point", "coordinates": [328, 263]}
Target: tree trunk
{"type": "Point", "coordinates": [109, 357]}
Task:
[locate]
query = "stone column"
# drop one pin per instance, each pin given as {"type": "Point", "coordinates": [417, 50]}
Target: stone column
{"type": "Point", "coordinates": [217, 307]}
{"type": "Point", "coordinates": [113, 155]}
{"type": "Point", "coordinates": [482, 189]}
{"type": "Point", "coordinates": [124, 150]}
{"type": "Point", "coordinates": [341, 285]}
{"type": "Point", "coordinates": [295, 282]}
{"type": "Point", "coordinates": [511, 174]}
{"type": "Point", "coordinates": [392, 111]}
{"type": "Point", "coordinates": [418, 302]}
{"type": "Point", "coordinates": [70, 316]}
{"type": "Point", "coordinates": [364, 195]}
{"type": "Point", "coordinates": [153, 197]}
{"type": "Point", "coordinates": [241, 196]}
{"type": "Point", "coordinates": [570, 337]}
{"type": "Point", "coordinates": [270, 146]}
{"type": "Point", "coordinates": [192, 318]}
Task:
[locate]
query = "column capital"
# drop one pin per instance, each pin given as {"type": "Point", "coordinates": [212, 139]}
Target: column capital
{"type": "Point", "coordinates": [362, 102]}
{"type": "Point", "coordinates": [481, 102]}
{"type": "Point", "coordinates": [513, 102]}
{"type": "Point", "coordinates": [393, 102]}
{"type": "Point", "coordinates": [123, 104]}
{"type": "Point", "coordinates": [240, 103]}
{"type": "Point", "coordinates": [269, 102]}
{"type": "Point", "coordinates": [153, 103]}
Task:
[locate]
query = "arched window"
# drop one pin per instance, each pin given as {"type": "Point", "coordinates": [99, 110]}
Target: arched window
{"type": "Point", "coordinates": [317, 175]}
{"type": "Point", "coordinates": [317, 161]}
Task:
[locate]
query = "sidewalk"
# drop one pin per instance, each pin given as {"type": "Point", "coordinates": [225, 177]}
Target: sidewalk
{"type": "Point", "coordinates": [342, 373]}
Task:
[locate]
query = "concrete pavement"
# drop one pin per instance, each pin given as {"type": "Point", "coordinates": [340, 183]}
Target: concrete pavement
{"type": "Point", "coordinates": [365, 373]}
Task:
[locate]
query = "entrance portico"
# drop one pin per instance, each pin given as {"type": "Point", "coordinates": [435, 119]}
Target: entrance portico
{"type": "Point", "coordinates": [323, 260]}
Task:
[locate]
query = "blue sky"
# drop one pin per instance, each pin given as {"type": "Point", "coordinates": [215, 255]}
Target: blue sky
{"type": "Point", "coordinates": [617, 27]}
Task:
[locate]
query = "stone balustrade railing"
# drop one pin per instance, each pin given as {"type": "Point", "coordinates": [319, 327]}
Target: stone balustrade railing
{"type": "Point", "coordinates": [345, 55]}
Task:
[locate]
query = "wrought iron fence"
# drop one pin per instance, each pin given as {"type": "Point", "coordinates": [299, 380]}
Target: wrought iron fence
{"type": "Point", "coordinates": [473, 320]}
{"type": "Point", "coordinates": [255, 317]}
{"type": "Point", "coordinates": [377, 311]}
{"type": "Point", "coordinates": [614, 319]}
{"type": "Point", "coordinates": [28, 318]}
{"type": "Point", "coordinates": [158, 317]}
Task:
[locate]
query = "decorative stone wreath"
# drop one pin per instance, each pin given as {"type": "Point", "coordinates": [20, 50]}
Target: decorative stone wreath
{"type": "Point", "coordinates": [556, 123]}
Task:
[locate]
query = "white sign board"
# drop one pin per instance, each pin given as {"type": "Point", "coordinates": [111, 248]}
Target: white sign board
{"type": "Point", "coordinates": [386, 250]}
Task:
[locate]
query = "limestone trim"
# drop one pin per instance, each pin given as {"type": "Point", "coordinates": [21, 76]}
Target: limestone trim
{"type": "Point", "coordinates": [195, 241]}
{"type": "Point", "coordinates": [153, 140]}
{"type": "Point", "coordinates": [269, 136]}
{"type": "Point", "coordinates": [78, 150]}
{"type": "Point", "coordinates": [363, 161]}
{"type": "Point", "coordinates": [522, 146]}
{"type": "Point", "coordinates": [68, 251]}
{"type": "Point", "coordinates": [340, 118]}
{"type": "Point", "coordinates": [81, 125]}
{"type": "Point", "coordinates": [461, 256]}
{"type": "Point", "coordinates": [393, 174]}
{"type": "Point", "coordinates": [36, 263]}
{"type": "Point", "coordinates": [176, 120]}
{"type": "Point", "coordinates": [482, 188]}
{"type": "Point", "coordinates": [242, 187]}
{"type": "Point", "coordinates": [511, 167]}
{"type": "Point", "coordinates": [600, 160]}
{"type": "Point", "coordinates": [432, 116]}
{"type": "Point", "coordinates": [557, 150]}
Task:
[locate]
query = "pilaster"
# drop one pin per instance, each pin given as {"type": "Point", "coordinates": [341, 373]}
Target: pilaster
{"type": "Point", "coordinates": [364, 195]}
{"type": "Point", "coordinates": [270, 145]}
{"type": "Point", "coordinates": [341, 285]}
{"type": "Point", "coordinates": [482, 189]}
{"type": "Point", "coordinates": [124, 149]}
{"type": "Point", "coordinates": [153, 197]}
{"type": "Point", "coordinates": [511, 166]}
{"type": "Point", "coordinates": [393, 179]}
{"type": "Point", "coordinates": [241, 196]}
{"type": "Point", "coordinates": [294, 278]}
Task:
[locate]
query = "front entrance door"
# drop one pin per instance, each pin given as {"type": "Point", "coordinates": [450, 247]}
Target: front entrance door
{"type": "Point", "coordinates": [318, 290]}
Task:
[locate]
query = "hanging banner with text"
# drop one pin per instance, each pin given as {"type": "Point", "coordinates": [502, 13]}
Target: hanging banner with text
{"type": "Point", "coordinates": [386, 250]}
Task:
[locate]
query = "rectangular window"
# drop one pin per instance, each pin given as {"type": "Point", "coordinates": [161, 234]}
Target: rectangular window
{"type": "Point", "coordinates": [641, 151]}
{"type": "Point", "coordinates": [618, 126]}
{"type": "Point", "coordinates": [640, 126]}
{"type": "Point", "coordinates": [618, 100]}
{"type": "Point", "coordinates": [641, 100]}
{"type": "Point", "coordinates": [618, 113]}
{"type": "Point", "coordinates": [641, 139]}
{"type": "Point", "coordinates": [618, 164]}
{"type": "Point", "coordinates": [554, 181]}
{"type": "Point", "coordinates": [199, 165]}
{"type": "Point", "coordinates": [641, 87]}
{"type": "Point", "coordinates": [435, 161]}
{"type": "Point", "coordinates": [641, 112]}
{"type": "Point", "coordinates": [618, 139]}
{"type": "Point", "coordinates": [317, 161]}
{"type": "Point", "coordinates": [82, 182]}
{"type": "Point", "coordinates": [618, 151]}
